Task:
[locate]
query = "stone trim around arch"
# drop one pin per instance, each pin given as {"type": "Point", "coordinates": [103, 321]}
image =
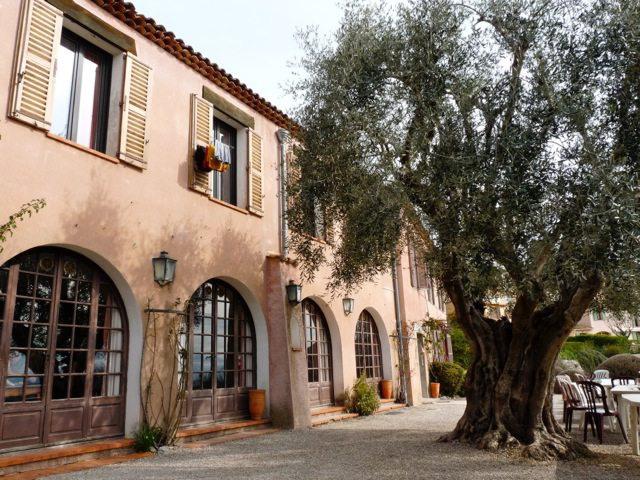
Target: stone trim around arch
{"type": "Point", "coordinates": [336, 345]}
{"type": "Point", "coordinates": [385, 341]}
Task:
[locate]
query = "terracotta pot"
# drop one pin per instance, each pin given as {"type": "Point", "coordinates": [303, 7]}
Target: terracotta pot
{"type": "Point", "coordinates": [434, 390]}
{"type": "Point", "coordinates": [386, 389]}
{"type": "Point", "coordinates": [256, 404]}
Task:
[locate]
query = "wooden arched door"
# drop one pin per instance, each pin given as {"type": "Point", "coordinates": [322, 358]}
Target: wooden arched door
{"type": "Point", "coordinates": [319, 358]}
{"type": "Point", "coordinates": [63, 350]}
{"type": "Point", "coordinates": [222, 360]}
{"type": "Point", "coordinates": [368, 350]}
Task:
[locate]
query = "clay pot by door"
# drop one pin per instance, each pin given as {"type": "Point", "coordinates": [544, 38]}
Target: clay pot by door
{"type": "Point", "coordinates": [256, 403]}
{"type": "Point", "coordinates": [434, 390]}
{"type": "Point", "coordinates": [386, 389]}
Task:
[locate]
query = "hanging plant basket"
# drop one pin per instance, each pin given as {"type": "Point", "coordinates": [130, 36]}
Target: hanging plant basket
{"type": "Point", "coordinates": [204, 158]}
{"type": "Point", "coordinates": [219, 165]}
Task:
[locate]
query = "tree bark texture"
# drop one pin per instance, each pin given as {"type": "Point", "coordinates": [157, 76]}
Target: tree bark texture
{"type": "Point", "coordinates": [509, 383]}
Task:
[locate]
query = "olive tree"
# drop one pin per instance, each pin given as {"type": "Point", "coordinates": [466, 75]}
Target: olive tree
{"type": "Point", "coordinates": [500, 138]}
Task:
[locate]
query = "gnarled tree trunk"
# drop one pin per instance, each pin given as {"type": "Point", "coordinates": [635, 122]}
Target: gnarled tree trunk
{"type": "Point", "coordinates": [509, 382]}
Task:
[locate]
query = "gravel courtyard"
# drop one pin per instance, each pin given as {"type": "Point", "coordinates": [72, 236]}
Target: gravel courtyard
{"type": "Point", "coordinates": [395, 445]}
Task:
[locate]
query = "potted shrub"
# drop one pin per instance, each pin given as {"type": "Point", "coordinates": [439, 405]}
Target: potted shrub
{"type": "Point", "coordinates": [256, 403]}
{"type": "Point", "coordinates": [449, 377]}
{"type": "Point", "coordinates": [386, 389]}
{"type": "Point", "coordinates": [434, 384]}
{"type": "Point", "coordinates": [363, 398]}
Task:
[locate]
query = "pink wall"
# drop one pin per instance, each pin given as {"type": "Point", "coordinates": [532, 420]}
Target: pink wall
{"type": "Point", "coordinates": [122, 216]}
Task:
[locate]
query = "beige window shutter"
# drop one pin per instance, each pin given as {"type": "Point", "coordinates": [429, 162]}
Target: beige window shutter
{"type": "Point", "coordinates": [412, 266]}
{"type": "Point", "coordinates": [201, 134]}
{"type": "Point", "coordinates": [135, 112]}
{"type": "Point", "coordinates": [255, 173]}
{"type": "Point", "coordinates": [38, 45]}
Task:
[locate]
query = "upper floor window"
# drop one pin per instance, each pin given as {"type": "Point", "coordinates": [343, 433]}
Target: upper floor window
{"type": "Point", "coordinates": [225, 184]}
{"type": "Point", "coordinates": [81, 83]}
{"type": "Point", "coordinates": [233, 174]}
{"type": "Point", "coordinates": [81, 100]}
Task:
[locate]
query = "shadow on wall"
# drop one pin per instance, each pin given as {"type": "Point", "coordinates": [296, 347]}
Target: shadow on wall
{"type": "Point", "coordinates": [126, 234]}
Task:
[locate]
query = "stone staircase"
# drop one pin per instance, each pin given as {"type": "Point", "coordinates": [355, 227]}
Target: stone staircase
{"type": "Point", "coordinates": [40, 462]}
{"type": "Point", "coordinates": [59, 459]}
{"type": "Point", "coordinates": [325, 415]}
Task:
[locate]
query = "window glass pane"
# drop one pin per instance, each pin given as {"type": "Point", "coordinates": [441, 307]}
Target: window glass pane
{"type": "Point", "coordinates": [113, 385]}
{"type": "Point", "coordinates": [86, 108]}
{"type": "Point", "coordinates": [77, 386]}
{"type": "Point", "coordinates": [22, 311]}
{"type": "Point", "coordinates": [115, 361]}
{"type": "Point", "coordinates": [100, 362]}
{"type": "Point", "coordinates": [20, 335]}
{"type": "Point", "coordinates": [62, 97]}
{"type": "Point", "coordinates": [60, 387]}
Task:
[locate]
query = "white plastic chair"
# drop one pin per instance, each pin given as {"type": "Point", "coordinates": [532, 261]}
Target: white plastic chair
{"type": "Point", "coordinates": [600, 374]}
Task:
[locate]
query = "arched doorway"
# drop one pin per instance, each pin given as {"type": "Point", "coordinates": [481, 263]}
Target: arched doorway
{"type": "Point", "coordinates": [422, 362]}
{"type": "Point", "coordinates": [222, 361]}
{"type": "Point", "coordinates": [368, 350]}
{"type": "Point", "coordinates": [319, 358]}
{"type": "Point", "coordinates": [63, 350]}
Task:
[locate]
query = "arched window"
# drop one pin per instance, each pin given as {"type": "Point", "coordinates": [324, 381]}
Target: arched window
{"type": "Point", "coordinates": [368, 351]}
{"type": "Point", "coordinates": [222, 364]}
{"type": "Point", "coordinates": [319, 361]}
{"type": "Point", "coordinates": [64, 341]}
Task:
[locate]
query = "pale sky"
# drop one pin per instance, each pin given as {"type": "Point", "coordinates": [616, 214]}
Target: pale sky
{"type": "Point", "coordinates": [253, 40]}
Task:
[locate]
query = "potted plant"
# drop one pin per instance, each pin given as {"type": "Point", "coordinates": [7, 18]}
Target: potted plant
{"type": "Point", "coordinates": [434, 384]}
{"type": "Point", "coordinates": [256, 403]}
{"type": "Point", "coordinates": [386, 389]}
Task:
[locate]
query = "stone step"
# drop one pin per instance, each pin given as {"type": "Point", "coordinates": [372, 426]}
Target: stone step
{"type": "Point", "coordinates": [230, 437]}
{"type": "Point", "coordinates": [323, 416]}
{"type": "Point", "coordinates": [76, 466]}
{"type": "Point", "coordinates": [328, 410]}
{"type": "Point", "coordinates": [336, 417]}
{"type": "Point", "coordinates": [19, 462]}
{"type": "Point", "coordinates": [387, 407]}
{"type": "Point", "coordinates": [214, 430]}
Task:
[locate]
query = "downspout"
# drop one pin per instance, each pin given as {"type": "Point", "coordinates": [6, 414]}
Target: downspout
{"type": "Point", "coordinates": [283, 139]}
{"type": "Point", "coordinates": [396, 304]}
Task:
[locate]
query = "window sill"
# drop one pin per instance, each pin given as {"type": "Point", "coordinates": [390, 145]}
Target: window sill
{"type": "Point", "coordinates": [229, 205]}
{"type": "Point", "coordinates": [82, 148]}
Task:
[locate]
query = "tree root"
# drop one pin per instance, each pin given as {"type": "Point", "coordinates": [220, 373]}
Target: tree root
{"type": "Point", "coordinates": [545, 447]}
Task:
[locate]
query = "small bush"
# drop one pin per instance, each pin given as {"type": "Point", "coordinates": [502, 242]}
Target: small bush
{"type": "Point", "coordinates": [584, 353]}
{"type": "Point", "coordinates": [449, 375]}
{"type": "Point", "coordinates": [363, 398]}
{"type": "Point", "coordinates": [611, 350]}
{"type": "Point", "coordinates": [625, 365]}
{"type": "Point", "coordinates": [461, 348]}
{"type": "Point", "coordinates": [148, 438]}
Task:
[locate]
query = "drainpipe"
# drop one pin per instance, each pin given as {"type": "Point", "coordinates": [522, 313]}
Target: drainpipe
{"type": "Point", "coordinates": [396, 304]}
{"type": "Point", "coordinates": [283, 139]}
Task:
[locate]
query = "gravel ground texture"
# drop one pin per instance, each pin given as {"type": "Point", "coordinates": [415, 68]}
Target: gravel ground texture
{"type": "Point", "coordinates": [395, 445]}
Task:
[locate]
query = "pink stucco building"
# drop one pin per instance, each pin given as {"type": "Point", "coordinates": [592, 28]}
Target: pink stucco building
{"type": "Point", "coordinates": [103, 113]}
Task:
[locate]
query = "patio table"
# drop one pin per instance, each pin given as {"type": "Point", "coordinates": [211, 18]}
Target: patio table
{"type": "Point", "coordinates": [633, 400]}
{"type": "Point", "coordinates": [623, 406]}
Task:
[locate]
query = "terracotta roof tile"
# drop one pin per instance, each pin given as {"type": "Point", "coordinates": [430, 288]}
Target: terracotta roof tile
{"type": "Point", "coordinates": [146, 26]}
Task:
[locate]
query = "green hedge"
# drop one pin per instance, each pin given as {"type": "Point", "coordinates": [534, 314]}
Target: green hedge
{"type": "Point", "coordinates": [592, 350]}
{"type": "Point", "coordinates": [600, 342]}
{"type": "Point", "coordinates": [450, 376]}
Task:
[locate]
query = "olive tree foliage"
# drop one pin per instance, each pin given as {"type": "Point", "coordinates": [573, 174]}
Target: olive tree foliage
{"type": "Point", "coordinates": [500, 138]}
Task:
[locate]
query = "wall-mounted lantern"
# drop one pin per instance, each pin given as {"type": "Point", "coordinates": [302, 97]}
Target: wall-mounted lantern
{"type": "Point", "coordinates": [348, 304]}
{"type": "Point", "coordinates": [294, 292]}
{"type": "Point", "coordinates": [164, 269]}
